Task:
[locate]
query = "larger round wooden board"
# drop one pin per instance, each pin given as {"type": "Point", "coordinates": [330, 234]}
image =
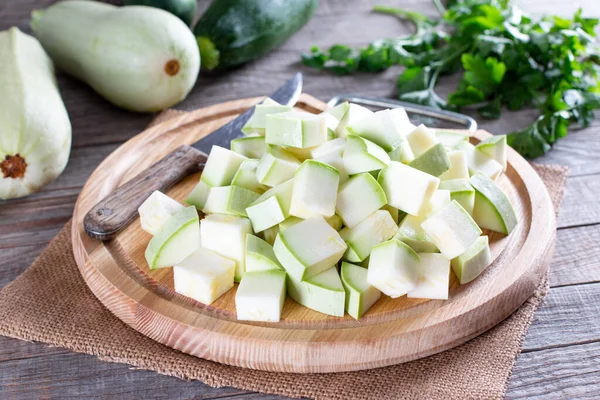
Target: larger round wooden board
{"type": "Point", "coordinates": [393, 331]}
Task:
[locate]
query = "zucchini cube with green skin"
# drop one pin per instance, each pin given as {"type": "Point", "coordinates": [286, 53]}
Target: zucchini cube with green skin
{"type": "Point", "coordinates": [450, 139]}
{"type": "Point", "coordinates": [245, 177]}
{"type": "Point", "coordinates": [176, 239]}
{"type": "Point", "coordinates": [393, 268]}
{"type": "Point", "coordinates": [156, 210]}
{"type": "Point", "coordinates": [470, 264]}
{"type": "Point", "coordinates": [385, 128]}
{"type": "Point", "coordinates": [461, 191]}
{"type": "Point", "coordinates": [331, 124]}
{"type": "Point", "coordinates": [198, 195]}
{"type": "Point", "coordinates": [272, 207]}
{"type": "Point", "coordinates": [411, 233]}
{"type": "Point", "coordinates": [358, 198]}
{"type": "Point", "coordinates": [495, 148]}
{"type": "Point", "coordinates": [394, 212]}
{"type": "Point", "coordinates": [433, 161]}
{"type": "Point", "coordinates": [492, 208]}
{"type": "Point", "coordinates": [407, 188]}
{"type": "Point", "coordinates": [330, 153]}
{"type": "Point", "coordinates": [289, 222]}
{"type": "Point", "coordinates": [276, 166]}
{"type": "Point", "coordinates": [221, 166]}
{"type": "Point", "coordinates": [296, 129]}
{"type": "Point", "coordinates": [402, 153]}
{"type": "Point", "coordinates": [308, 248]}
{"type": "Point", "coordinates": [433, 278]}
{"type": "Point", "coordinates": [204, 276]}
{"type": "Point", "coordinates": [360, 295]}
{"type": "Point", "coordinates": [374, 229]}
{"type": "Point", "coordinates": [353, 113]}
{"type": "Point", "coordinates": [458, 166]}
{"type": "Point", "coordinates": [478, 162]}
{"type": "Point", "coordinates": [226, 235]}
{"type": "Point", "coordinates": [251, 146]}
{"type": "Point", "coordinates": [362, 155]}
{"type": "Point", "coordinates": [421, 139]}
{"type": "Point", "coordinates": [260, 296]}
{"type": "Point", "coordinates": [230, 200]}
{"type": "Point", "coordinates": [323, 292]}
{"type": "Point", "coordinates": [258, 121]}
{"type": "Point", "coordinates": [315, 190]}
{"type": "Point", "coordinates": [451, 229]}
{"type": "Point", "coordinates": [260, 255]}
{"type": "Point", "coordinates": [338, 111]}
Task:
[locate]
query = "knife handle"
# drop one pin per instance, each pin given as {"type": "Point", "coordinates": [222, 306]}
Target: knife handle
{"type": "Point", "coordinates": [119, 208]}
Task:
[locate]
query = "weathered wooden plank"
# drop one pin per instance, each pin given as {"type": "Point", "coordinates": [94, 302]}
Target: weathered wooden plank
{"type": "Point", "coordinates": [576, 257]}
{"type": "Point", "coordinates": [565, 373]}
{"type": "Point", "coordinates": [581, 205]}
{"type": "Point", "coordinates": [13, 261]}
{"type": "Point", "coordinates": [14, 349]}
{"type": "Point", "coordinates": [568, 315]}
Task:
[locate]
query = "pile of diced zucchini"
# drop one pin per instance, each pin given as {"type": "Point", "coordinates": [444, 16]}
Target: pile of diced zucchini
{"type": "Point", "coordinates": [332, 209]}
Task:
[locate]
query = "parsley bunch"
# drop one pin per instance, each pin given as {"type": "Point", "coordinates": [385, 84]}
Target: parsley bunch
{"type": "Point", "coordinates": [507, 58]}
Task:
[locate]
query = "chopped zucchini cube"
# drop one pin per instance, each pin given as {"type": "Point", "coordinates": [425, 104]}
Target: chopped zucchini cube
{"type": "Point", "coordinates": [308, 248]}
{"type": "Point", "coordinates": [251, 146]}
{"type": "Point", "coordinates": [451, 229]}
{"type": "Point", "coordinates": [315, 190]}
{"type": "Point", "coordinates": [470, 264]}
{"type": "Point", "coordinates": [331, 153]}
{"type": "Point", "coordinates": [258, 121]}
{"type": "Point", "coordinates": [230, 200]}
{"type": "Point", "coordinates": [296, 129]}
{"type": "Point", "coordinates": [492, 208]}
{"type": "Point", "coordinates": [421, 139]}
{"type": "Point", "coordinates": [221, 166]}
{"type": "Point", "coordinates": [462, 192]}
{"type": "Point", "coordinates": [198, 195]}
{"type": "Point", "coordinates": [323, 292]}
{"type": "Point", "coordinates": [260, 255]}
{"type": "Point", "coordinates": [393, 268]}
{"type": "Point", "coordinates": [458, 166]}
{"type": "Point", "coordinates": [276, 166]}
{"type": "Point", "coordinates": [245, 177]}
{"type": "Point", "coordinates": [479, 162]}
{"type": "Point", "coordinates": [495, 148]}
{"type": "Point", "coordinates": [433, 161]}
{"type": "Point", "coordinates": [407, 188]}
{"type": "Point", "coordinates": [411, 233]}
{"type": "Point", "coordinates": [156, 210]}
{"type": "Point", "coordinates": [450, 139]}
{"type": "Point", "coordinates": [360, 295]}
{"type": "Point", "coordinates": [270, 234]}
{"type": "Point", "coordinates": [260, 296]}
{"type": "Point", "coordinates": [358, 198]}
{"type": "Point", "coordinates": [362, 155]}
{"type": "Point", "coordinates": [433, 279]}
{"type": "Point", "coordinates": [272, 207]}
{"type": "Point", "coordinates": [385, 128]}
{"type": "Point", "coordinates": [204, 276]}
{"type": "Point", "coordinates": [353, 113]}
{"type": "Point", "coordinates": [374, 229]}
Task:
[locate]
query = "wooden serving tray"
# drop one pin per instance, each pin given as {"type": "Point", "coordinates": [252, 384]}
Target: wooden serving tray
{"type": "Point", "coordinates": [393, 331]}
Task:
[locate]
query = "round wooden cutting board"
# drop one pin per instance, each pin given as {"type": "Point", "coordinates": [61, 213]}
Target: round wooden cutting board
{"type": "Point", "coordinates": [393, 331]}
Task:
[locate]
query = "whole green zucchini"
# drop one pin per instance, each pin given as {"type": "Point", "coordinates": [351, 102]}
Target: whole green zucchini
{"type": "Point", "coordinates": [232, 32]}
{"type": "Point", "coordinates": [184, 9]}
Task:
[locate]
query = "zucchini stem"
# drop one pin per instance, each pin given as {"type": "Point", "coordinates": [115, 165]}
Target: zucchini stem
{"type": "Point", "coordinates": [209, 54]}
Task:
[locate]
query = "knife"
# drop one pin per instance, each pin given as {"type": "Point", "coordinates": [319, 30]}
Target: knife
{"type": "Point", "coordinates": [119, 208]}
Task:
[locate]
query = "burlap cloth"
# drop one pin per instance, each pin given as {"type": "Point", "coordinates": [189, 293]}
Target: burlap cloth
{"type": "Point", "coordinates": [51, 303]}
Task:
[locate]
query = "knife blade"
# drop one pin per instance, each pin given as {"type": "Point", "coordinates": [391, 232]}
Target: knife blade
{"type": "Point", "coordinates": [119, 208]}
{"type": "Point", "coordinates": [287, 94]}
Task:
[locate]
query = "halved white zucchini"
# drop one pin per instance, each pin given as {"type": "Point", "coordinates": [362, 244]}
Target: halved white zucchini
{"type": "Point", "coordinates": [315, 190]}
{"type": "Point", "coordinates": [323, 292]}
{"type": "Point", "coordinates": [393, 268]}
{"type": "Point", "coordinates": [434, 277]}
{"type": "Point", "coordinates": [156, 210]}
{"type": "Point", "coordinates": [374, 229]}
{"type": "Point", "coordinates": [360, 295]}
{"type": "Point", "coordinates": [492, 208]}
{"type": "Point", "coordinates": [260, 296]}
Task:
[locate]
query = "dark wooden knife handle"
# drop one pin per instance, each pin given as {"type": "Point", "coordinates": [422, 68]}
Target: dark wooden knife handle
{"type": "Point", "coordinates": [119, 208]}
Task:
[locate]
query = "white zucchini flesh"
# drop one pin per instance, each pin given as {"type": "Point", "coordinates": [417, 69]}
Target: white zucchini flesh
{"type": "Point", "coordinates": [433, 161]}
{"type": "Point", "coordinates": [258, 121]}
{"type": "Point", "coordinates": [421, 139]}
{"type": "Point", "coordinates": [411, 233]}
{"type": "Point", "coordinates": [338, 111]}
{"type": "Point", "coordinates": [251, 146]}
{"type": "Point", "coordinates": [221, 166]}
{"type": "Point", "coordinates": [362, 155]}
{"type": "Point", "coordinates": [315, 190]}
{"type": "Point", "coordinates": [402, 153]}
{"type": "Point", "coordinates": [272, 207]}
{"type": "Point", "coordinates": [276, 166]}
{"type": "Point", "coordinates": [230, 200]}
{"type": "Point", "coordinates": [323, 292]}
{"type": "Point", "coordinates": [270, 234]}
{"type": "Point", "coordinates": [492, 208]}
{"type": "Point", "coordinates": [260, 255]}
{"type": "Point", "coordinates": [458, 166]}
{"type": "Point", "coordinates": [406, 188]}
{"type": "Point", "coordinates": [226, 235]}
{"type": "Point", "coordinates": [393, 268]}
{"type": "Point", "coordinates": [470, 264]}
{"type": "Point", "coordinates": [289, 222]}
{"type": "Point", "coordinates": [198, 195]}
{"type": "Point", "coordinates": [353, 113]}
{"type": "Point", "coordinates": [156, 210]}
{"type": "Point", "coordinates": [360, 295]}
{"type": "Point", "coordinates": [296, 129]}
{"type": "Point", "coordinates": [461, 191]}
{"type": "Point", "coordinates": [385, 128]}
{"type": "Point", "coordinates": [204, 276]}
{"type": "Point", "coordinates": [374, 229]}
{"type": "Point", "coordinates": [330, 153]}
{"type": "Point", "coordinates": [394, 212]}
{"type": "Point", "coordinates": [335, 221]}
{"type": "Point", "coordinates": [478, 162]}
{"type": "Point", "coordinates": [438, 200]}
{"type": "Point", "coordinates": [451, 229]}
{"type": "Point", "coordinates": [450, 139]}
{"type": "Point", "coordinates": [358, 198]}
{"type": "Point", "coordinates": [495, 147]}
{"type": "Point", "coordinates": [245, 177]}
{"type": "Point", "coordinates": [176, 239]}
{"type": "Point", "coordinates": [300, 154]}
{"type": "Point", "coordinates": [308, 248]}
{"type": "Point", "coordinates": [433, 279]}
{"type": "Point", "coordinates": [260, 296]}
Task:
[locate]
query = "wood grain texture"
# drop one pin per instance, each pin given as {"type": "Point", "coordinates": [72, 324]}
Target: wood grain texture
{"type": "Point", "coordinates": [394, 330]}
{"type": "Point", "coordinates": [97, 123]}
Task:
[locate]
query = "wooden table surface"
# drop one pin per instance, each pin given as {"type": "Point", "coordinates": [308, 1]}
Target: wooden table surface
{"type": "Point", "coordinates": [561, 353]}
